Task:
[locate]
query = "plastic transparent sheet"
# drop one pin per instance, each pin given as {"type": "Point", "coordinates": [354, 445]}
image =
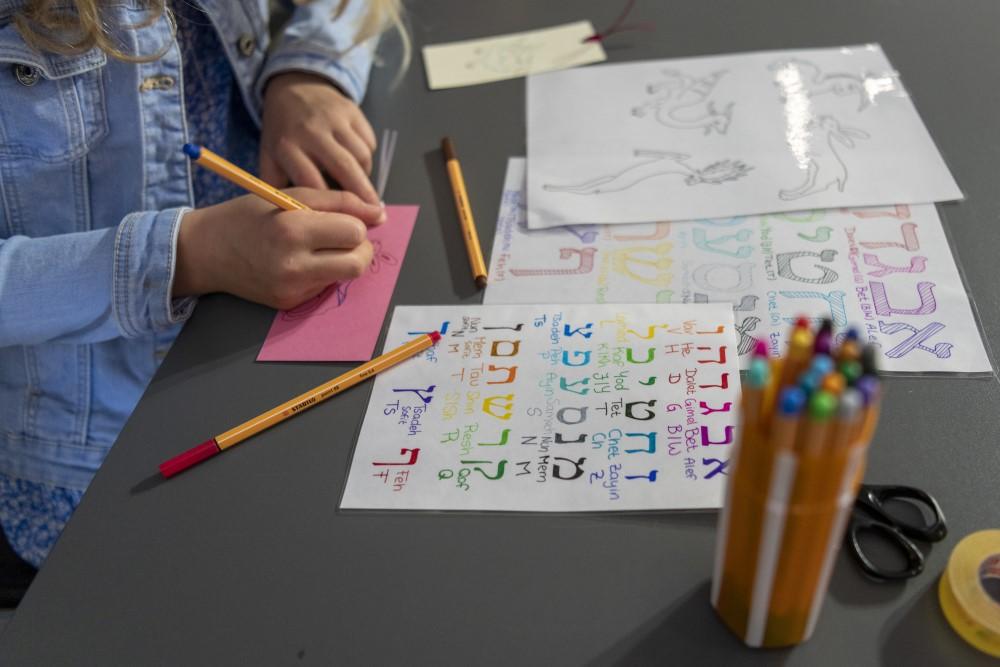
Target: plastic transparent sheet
{"type": "Point", "coordinates": [887, 270]}
{"type": "Point", "coordinates": [725, 135]}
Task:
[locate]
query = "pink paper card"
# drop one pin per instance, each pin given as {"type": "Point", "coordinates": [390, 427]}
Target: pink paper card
{"type": "Point", "coordinates": [343, 321]}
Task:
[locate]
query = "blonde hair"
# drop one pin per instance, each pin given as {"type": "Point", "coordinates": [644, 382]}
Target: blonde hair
{"type": "Point", "coordinates": [48, 26]}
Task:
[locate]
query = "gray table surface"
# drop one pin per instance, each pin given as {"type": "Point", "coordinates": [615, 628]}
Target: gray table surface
{"type": "Point", "coordinates": [248, 560]}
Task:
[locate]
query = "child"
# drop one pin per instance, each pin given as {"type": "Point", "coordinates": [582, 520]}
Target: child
{"type": "Point", "coordinates": [101, 253]}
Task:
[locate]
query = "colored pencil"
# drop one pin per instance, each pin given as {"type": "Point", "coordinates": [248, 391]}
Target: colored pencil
{"type": "Point", "coordinates": [468, 225]}
{"type": "Point", "coordinates": [302, 402]}
{"type": "Point", "coordinates": [243, 179]}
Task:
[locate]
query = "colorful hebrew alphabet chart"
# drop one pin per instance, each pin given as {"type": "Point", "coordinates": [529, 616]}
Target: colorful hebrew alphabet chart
{"type": "Point", "coordinates": [887, 270]}
{"type": "Point", "coordinates": [552, 408]}
{"type": "Point", "coordinates": [726, 135]}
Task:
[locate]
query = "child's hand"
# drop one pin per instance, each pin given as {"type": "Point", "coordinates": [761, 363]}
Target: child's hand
{"type": "Point", "coordinates": [249, 248]}
{"type": "Point", "coordinates": [310, 127]}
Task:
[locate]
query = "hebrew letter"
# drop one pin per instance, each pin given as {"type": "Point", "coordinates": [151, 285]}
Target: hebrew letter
{"type": "Point", "coordinates": [576, 355]}
{"type": "Point", "coordinates": [723, 384]}
{"type": "Point", "coordinates": [511, 374]}
{"type": "Point", "coordinates": [702, 241]}
{"type": "Point", "coordinates": [915, 341]}
{"type": "Point", "coordinates": [650, 447]}
{"type": "Point", "coordinates": [516, 328]}
{"type": "Point", "coordinates": [900, 212]}
{"type": "Point", "coordinates": [650, 355]}
{"type": "Point", "coordinates": [706, 409]}
{"type": "Point", "coordinates": [720, 467]}
{"type": "Point", "coordinates": [917, 265]}
{"type": "Point", "coordinates": [648, 404]}
{"type": "Point", "coordinates": [583, 331]}
{"type": "Point", "coordinates": [707, 277]}
{"type": "Point", "coordinates": [649, 265]}
{"type": "Point", "coordinates": [501, 465]}
{"type": "Point", "coordinates": [577, 467]}
{"type": "Point", "coordinates": [581, 414]}
{"type": "Point", "coordinates": [562, 441]}
{"type": "Point", "coordinates": [925, 290]}
{"type": "Point", "coordinates": [910, 241]}
{"type": "Point", "coordinates": [826, 275]}
{"type": "Point", "coordinates": [706, 441]}
{"type": "Point", "coordinates": [834, 299]}
{"type": "Point", "coordinates": [651, 476]}
{"type": "Point", "coordinates": [568, 386]}
{"type": "Point", "coordinates": [503, 440]}
{"type": "Point", "coordinates": [500, 406]}
{"type": "Point", "coordinates": [515, 346]}
{"type": "Point", "coordinates": [414, 453]}
{"type": "Point", "coordinates": [420, 393]}
{"type": "Point", "coordinates": [720, 360]}
{"type": "Point", "coordinates": [585, 258]}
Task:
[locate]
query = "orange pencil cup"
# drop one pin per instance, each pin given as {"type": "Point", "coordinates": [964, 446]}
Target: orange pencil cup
{"type": "Point", "coordinates": [790, 491]}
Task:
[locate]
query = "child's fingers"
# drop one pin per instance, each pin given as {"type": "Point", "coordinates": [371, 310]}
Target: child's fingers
{"type": "Point", "coordinates": [340, 164]}
{"type": "Point", "coordinates": [364, 129]}
{"type": "Point", "coordinates": [333, 231]}
{"type": "Point", "coordinates": [339, 201]}
{"type": "Point", "coordinates": [356, 147]}
{"type": "Point", "coordinates": [300, 169]}
{"type": "Point", "coordinates": [270, 171]}
{"type": "Point", "coordinates": [333, 265]}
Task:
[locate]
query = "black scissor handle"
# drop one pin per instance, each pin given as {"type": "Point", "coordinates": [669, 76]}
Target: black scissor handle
{"type": "Point", "coordinates": [914, 558]}
{"type": "Point", "coordinates": [872, 498]}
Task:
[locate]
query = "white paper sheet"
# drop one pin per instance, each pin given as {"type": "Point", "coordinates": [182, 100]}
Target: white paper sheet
{"type": "Point", "coordinates": [887, 270]}
{"type": "Point", "coordinates": [473, 61]}
{"type": "Point", "coordinates": [727, 135]}
{"type": "Point", "coordinates": [552, 408]}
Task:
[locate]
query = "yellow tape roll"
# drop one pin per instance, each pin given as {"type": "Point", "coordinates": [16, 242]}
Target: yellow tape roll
{"type": "Point", "coordinates": [970, 590]}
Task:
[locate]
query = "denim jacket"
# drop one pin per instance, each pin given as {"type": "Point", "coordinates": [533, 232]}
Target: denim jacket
{"type": "Point", "coordinates": [93, 185]}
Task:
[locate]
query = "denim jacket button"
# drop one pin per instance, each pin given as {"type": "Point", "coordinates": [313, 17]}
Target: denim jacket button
{"type": "Point", "coordinates": [246, 45]}
{"type": "Point", "coordinates": [26, 75]}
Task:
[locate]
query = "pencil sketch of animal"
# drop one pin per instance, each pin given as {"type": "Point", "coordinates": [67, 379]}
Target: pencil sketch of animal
{"type": "Point", "coordinates": [653, 164]}
{"type": "Point", "coordinates": [335, 295]}
{"type": "Point", "coordinates": [825, 167]}
{"type": "Point", "coordinates": [797, 76]}
{"type": "Point", "coordinates": [683, 103]}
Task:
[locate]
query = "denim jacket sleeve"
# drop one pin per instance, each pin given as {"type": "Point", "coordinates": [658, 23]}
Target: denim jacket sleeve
{"type": "Point", "coordinates": [314, 42]}
{"type": "Point", "coordinates": [87, 287]}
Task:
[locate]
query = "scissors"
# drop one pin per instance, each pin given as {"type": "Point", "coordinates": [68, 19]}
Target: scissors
{"type": "Point", "coordinates": [869, 515]}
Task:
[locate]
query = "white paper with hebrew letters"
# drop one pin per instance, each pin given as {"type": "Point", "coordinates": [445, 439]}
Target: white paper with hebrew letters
{"type": "Point", "coordinates": [888, 270]}
{"type": "Point", "coordinates": [719, 136]}
{"type": "Point", "coordinates": [552, 408]}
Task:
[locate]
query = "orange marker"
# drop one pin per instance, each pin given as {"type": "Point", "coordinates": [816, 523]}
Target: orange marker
{"type": "Point", "coordinates": [302, 402]}
{"type": "Point", "coordinates": [469, 233]}
{"type": "Point", "coordinates": [245, 180]}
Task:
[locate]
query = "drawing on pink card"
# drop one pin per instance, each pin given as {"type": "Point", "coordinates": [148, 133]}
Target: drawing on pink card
{"type": "Point", "coordinates": [342, 323]}
{"type": "Point", "coordinates": [323, 301]}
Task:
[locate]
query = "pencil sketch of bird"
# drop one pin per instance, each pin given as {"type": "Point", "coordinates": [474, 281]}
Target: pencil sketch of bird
{"type": "Point", "coordinates": [683, 103]}
{"type": "Point", "coordinates": [797, 76]}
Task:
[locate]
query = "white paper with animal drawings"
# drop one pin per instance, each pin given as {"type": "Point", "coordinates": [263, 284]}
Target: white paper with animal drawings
{"type": "Point", "coordinates": [552, 408]}
{"type": "Point", "coordinates": [727, 135]}
{"type": "Point", "coordinates": [473, 61]}
{"type": "Point", "coordinates": [887, 270]}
